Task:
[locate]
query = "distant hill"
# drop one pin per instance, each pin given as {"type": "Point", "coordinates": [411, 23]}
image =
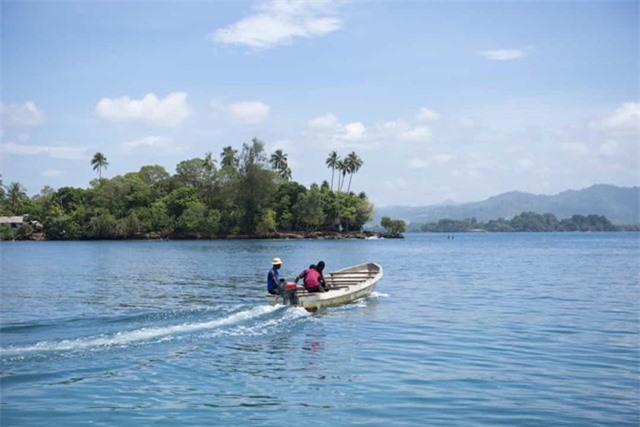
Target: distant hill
{"type": "Point", "coordinates": [621, 206]}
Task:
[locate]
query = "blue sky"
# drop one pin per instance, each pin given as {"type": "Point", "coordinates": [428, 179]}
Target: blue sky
{"type": "Point", "coordinates": [442, 101]}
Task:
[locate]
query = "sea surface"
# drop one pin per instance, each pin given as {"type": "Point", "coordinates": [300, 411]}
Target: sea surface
{"type": "Point", "coordinates": [470, 329]}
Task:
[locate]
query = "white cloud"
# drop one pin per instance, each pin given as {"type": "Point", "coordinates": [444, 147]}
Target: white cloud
{"type": "Point", "coordinates": [625, 118]}
{"type": "Point", "coordinates": [392, 126]}
{"type": "Point", "coordinates": [156, 144]}
{"type": "Point", "coordinates": [328, 121]}
{"type": "Point", "coordinates": [329, 128]}
{"type": "Point", "coordinates": [278, 22]}
{"type": "Point", "coordinates": [54, 151]}
{"type": "Point", "coordinates": [353, 131]}
{"type": "Point", "coordinates": [403, 131]}
{"type": "Point", "coordinates": [249, 112]}
{"type": "Point", "coordinates": [427, 115]}
{"type": "Point", "coordinates": [171, 111]}
{"type": "Point", "coordinates": [21, 115]}
{"type": "Point", "coordinates": [503, 54]}
{"type": "Point", "coordinates": [416, 134]}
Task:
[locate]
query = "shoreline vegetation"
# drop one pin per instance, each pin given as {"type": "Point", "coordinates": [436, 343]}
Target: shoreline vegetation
{"type": "Point", "coordinates": [316, 235]}
{"type": "Point", "coordinates": [524, 222]}
{"type": "Point", "coordinates": [245, 194]}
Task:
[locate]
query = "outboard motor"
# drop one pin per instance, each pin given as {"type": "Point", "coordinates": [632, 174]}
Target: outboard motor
{"type": "Point", "coordinates": [290, 294]}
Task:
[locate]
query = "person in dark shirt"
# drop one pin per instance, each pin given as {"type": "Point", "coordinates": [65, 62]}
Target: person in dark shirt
{"type": "Point", "coordinates": [312, 278]}
{"type": "Point", "coordinates": [275, 285]}
{"type": "Point", "coordinates": [320, 268]}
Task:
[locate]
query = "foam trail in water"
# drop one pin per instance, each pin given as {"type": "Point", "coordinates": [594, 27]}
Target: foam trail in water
{"type": "Point", "coordinates": [267, 326]}
{"type": "Point", "coordinates": [144, 334]}
{"type": "Point", "coordinates": [376, 294]}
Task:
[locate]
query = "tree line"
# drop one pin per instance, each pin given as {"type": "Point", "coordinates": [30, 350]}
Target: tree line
{"type": "Point", "coordinates": [246, 193]}
{"type": "Point", "coordinates": [526, 221]}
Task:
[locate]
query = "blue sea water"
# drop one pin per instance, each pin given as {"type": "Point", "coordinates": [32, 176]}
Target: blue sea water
{"type": "Point", "coordinates": [483, 329]}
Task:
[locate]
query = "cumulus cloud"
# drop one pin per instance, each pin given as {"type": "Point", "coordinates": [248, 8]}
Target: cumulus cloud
{"type": "Point", "coordinates": [328, 127]}
{"type": "Point", "coordinates": [416, 134]}
{"type": "Point", "coordinates": [55, 151]}
{"type": "Point", "coordinates": [427, 115]}
{"type": "Point", "coordinates": [353, 131]}
{"type": "Point", "coordinates": [503, 54]}
{"type": "Point", "coordinates": [249, 112]}
{"type": "Point", "coordinates": [240, 112]}
{"type": "Point", "coordinates": [26, 114]}
{"type": "Point", "coordinates": [403, 131]}
{"type": "Point", "coordinates": [328, 121]}
{"type": "Point", "coordinates": [625, 118]}
{"type": "Point", "coordinates": [157, 144]}
{"type": "Point", "coordinates": [171, 111]}
{"type": "Point", "coordinates": [278, 22]}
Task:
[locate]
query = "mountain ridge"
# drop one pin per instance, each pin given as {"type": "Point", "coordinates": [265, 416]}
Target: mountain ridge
{"type": "Point", "coordinates": [621, 206]}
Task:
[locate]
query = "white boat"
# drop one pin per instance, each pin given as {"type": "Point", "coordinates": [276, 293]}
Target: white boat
{"type": "Point", "coordinates": [345, 285]}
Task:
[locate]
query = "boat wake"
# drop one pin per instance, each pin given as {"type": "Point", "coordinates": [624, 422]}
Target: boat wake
{"type": "Point", "coordinates": [240, 322]}
{"type": "Point", "coordinates": [376, 294]}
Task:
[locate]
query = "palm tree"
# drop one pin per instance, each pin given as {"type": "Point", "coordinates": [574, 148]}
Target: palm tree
{"type": "Point", "coordinates": [209, 168]}
{"type": "Point", "coordinates": [285, 173]}
{"type": "Point", "coordinates": [208, 176]}
{"type": "Point", "coordinates": [209, 163]}
{"type": "Point", "coordinates": [332, 162]}
{"type": "Point", "coordinates": [354, 163]}
{"type": "Point", "coordinates": [98, 162]}
{"type": "Point", "coordinates": [229, 157]}
{"type": "Point", "coordinates": [279, 162]}
{"type": "Point", "coordinates": [15, 193]}
{"type": "Point", "coordinates": [342, 167]}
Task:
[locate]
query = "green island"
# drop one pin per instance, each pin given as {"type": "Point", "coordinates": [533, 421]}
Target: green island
{"type": "Point", "coordinates": [246, 195]}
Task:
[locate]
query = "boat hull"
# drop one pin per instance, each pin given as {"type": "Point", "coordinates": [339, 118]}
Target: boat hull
{"type": "Point", "coordinates": [346, 285]}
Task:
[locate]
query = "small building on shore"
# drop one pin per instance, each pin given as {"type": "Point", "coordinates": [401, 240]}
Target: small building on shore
{"type": "Point", "coordinates": [18, 221]}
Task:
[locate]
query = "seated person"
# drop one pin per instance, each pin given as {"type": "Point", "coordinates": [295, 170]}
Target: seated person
{"type": "Point", "coordinates": [320, 268]}
{"type": "Point", "coordinates": [311, 279]}
{"type": "Point", "coordinates": [274, 285]}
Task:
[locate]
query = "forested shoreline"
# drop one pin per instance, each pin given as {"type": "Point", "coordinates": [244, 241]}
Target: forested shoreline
{"type": "Point", "coordinates": [245, 194]}
{"type": "Point", "coordinates": [525, 222]}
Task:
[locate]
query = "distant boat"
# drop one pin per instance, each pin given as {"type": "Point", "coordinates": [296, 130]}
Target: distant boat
{"type": "Point", "coordinates": [345, 285]}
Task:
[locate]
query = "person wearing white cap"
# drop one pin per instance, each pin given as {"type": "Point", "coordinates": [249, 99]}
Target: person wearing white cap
{"type": "Point", "coordinates": [274, 285]}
